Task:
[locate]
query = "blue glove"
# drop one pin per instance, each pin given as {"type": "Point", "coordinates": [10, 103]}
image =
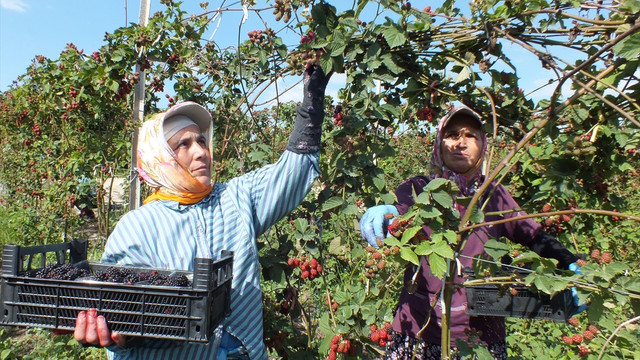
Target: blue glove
{"type": "Point", "coordinates": [374, 223]}
{"type": "Point", "coordinates": [576, 301]}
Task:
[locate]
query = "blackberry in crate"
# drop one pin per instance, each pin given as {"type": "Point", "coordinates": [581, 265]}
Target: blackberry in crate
{"type": "Point", "coordinates": [58, 272]}
{"type": "Point", "coordinates": [118, 275]}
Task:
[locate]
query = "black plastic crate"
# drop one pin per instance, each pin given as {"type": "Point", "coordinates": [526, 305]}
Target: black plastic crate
{"type": "Point", "coordinates": [167, 312]}
{"type": "Point", "coordinates": [491, 300]}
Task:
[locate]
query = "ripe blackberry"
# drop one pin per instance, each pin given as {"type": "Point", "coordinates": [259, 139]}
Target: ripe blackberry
{"type": "Point", "coordinates": [178, 280]}
{"type": "Point", "coordinates": [58, 272]}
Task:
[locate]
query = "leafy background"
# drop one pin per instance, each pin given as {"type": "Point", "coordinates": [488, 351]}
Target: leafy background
{"type": "Point", "coordinates": [570, 158]}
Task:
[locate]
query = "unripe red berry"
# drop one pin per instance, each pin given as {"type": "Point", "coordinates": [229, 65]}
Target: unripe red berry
{"type": "Point", "coordinates": [376, 255]}
{"type": "Point", "coordinates": [382, 342]}
{"type": "Point", "coordinates": [567, 340]}
{"type": "Point", "coordinates": [577, 338]}
{"type": "Point", "coordinates": [305, 274]}
{"type": "Point", "coordinates": [588, 335]}
{"type": "Point", "coordinates": [374, 336]}
{"type": "Point", "coordinates": [574, 321]}
{"type": "Point", "coordinates": [335, 339]}
{"type": "Point", "coordinates": [593, 329]}
{"type": "Point", "coordinates": [595, 254]}
{"type": "Point", "coordinates": [373, 328]}
{"type": "Point", "coordinates": [332, 355]}
{"type": "Point", "coordinates": [313, 263]}
{"type": "Point", "coordinates": [370, 263]}
{"type": "Point", "coordinates": [583, 350]}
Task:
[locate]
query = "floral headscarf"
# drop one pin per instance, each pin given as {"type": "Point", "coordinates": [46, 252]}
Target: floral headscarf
{"type": "Point", "coordinates": [467, 184]}
{"type": "Point", "coordinates": [157, 163]}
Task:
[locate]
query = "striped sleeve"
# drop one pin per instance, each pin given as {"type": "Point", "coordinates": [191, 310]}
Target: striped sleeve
{"type": "Point", "coordinates": [276, 189]}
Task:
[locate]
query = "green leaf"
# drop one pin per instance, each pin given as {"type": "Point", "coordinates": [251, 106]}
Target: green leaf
{"type": "Point", "coordinates": [443, 249]}
{"type": "Point", "coordinates": [394, 37]}
{"type": "Point", "coordinates": [451, 236]}
{"type": "Point", "coordinates": [496, 249]}
{"type": "Point", "coordinates": [629, 47]}
{"type": "Point", "coordinates": [408, 234]}
{"type": "Point", "coordinates": [424, 248]}
{"type": "Point", "coordinates": [462, 75]}
{"type": "Point", "coordinates": [632, 6]}
{"type": "Point", "coordinates": [379, 182]}
{"type": "Point", "coordinates": [387, 60]}
{"type": "Point", "coordinates": [443, 198]}
{"type": "Point", "coordinates": [392, 241]}
{"type": "Point", "coordinates": [337, 246]}
{"type": "Point", "coordinates": [332, 203]}
{"type": "Point", "coordinates": [408, 255]}
{"type": "Point", "coordinates": [483, 353]}
{"type": "Point", "coordinates": [596, 309]}
{"type": "Point", "coordinates": [301, 225]}
{"type": "Point", "coordinates": [631, 284]}
{"type": "Point", "coordinates": [5, 353]}
{"type": "Point", "coordinates": [438, 265]}
{"type": "Point", "coordinates": [436, 183]}
{"type": "Point", "coordinates": [324, 326]}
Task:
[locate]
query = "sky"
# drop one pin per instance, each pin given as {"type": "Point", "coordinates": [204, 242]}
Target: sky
{"type": "Point", "coordinates": [44, 27]}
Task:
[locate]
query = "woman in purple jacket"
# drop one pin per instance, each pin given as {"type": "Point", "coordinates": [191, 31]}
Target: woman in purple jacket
{"type": "Point", "coordinates": [458, 153]}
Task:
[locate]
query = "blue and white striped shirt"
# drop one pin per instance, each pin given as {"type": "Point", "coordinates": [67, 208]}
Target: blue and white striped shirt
{"type": "Point", "coordinates": [165, 234]}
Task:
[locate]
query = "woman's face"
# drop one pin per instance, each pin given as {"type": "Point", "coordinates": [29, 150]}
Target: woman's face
{"type": "Point", "coordinates": [190, 147]}
{"type": "Point", "coordinates": [462, 144]}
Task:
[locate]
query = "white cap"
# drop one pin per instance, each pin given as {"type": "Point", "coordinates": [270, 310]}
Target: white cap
{"type": "Point", "coordinates": [461, 110]}
{"type": "Point", "coordinates": [188, 113]}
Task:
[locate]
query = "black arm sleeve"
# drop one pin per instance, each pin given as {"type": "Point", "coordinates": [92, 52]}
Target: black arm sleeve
{"type": "Point", "coordinates": [307, 130]}
{"type": "Point", "coordinates": [548, 246]}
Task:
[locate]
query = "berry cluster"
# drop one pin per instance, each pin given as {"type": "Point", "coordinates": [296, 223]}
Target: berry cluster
{"type": "Point", "coordinates": [337, 116]}
{"type": "Point", "coordinates": [309, 38]}
{"type": "Point", "coordinates": [36, 129]}
{"type": "Point", "coordinates": [601, 257]}
{"type": "Point", "coordinates": [311, 269]}
{"type": "Point", "coordinates": [256, 36]}
{"type": "Point", "coordinates": [554, 225]}
{"type": "Point", "coordinates": [381, 335]}
{"type": "Point", "coordinates": [398, 227]}
{"type": "Point", "coordinates": [425, 114]}
{"type": "Point", "coordinates": [282, 10]}
{"type": "Point", "coordinates": [328, 300]}
{"type": "Point", "coordinates": [58, 272]}
{"type": "Point", "coordinates": [580, 339]}
{"type": "Point", "coordinates": [112, 274]}
{"type": "Point", "coordinates": [340, 346]}
{"type": "Point", "coordinates": [377, 261]}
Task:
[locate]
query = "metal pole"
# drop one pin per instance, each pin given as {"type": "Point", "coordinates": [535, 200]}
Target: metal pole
{"type": "Point", "coordinates": [138, 117]}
